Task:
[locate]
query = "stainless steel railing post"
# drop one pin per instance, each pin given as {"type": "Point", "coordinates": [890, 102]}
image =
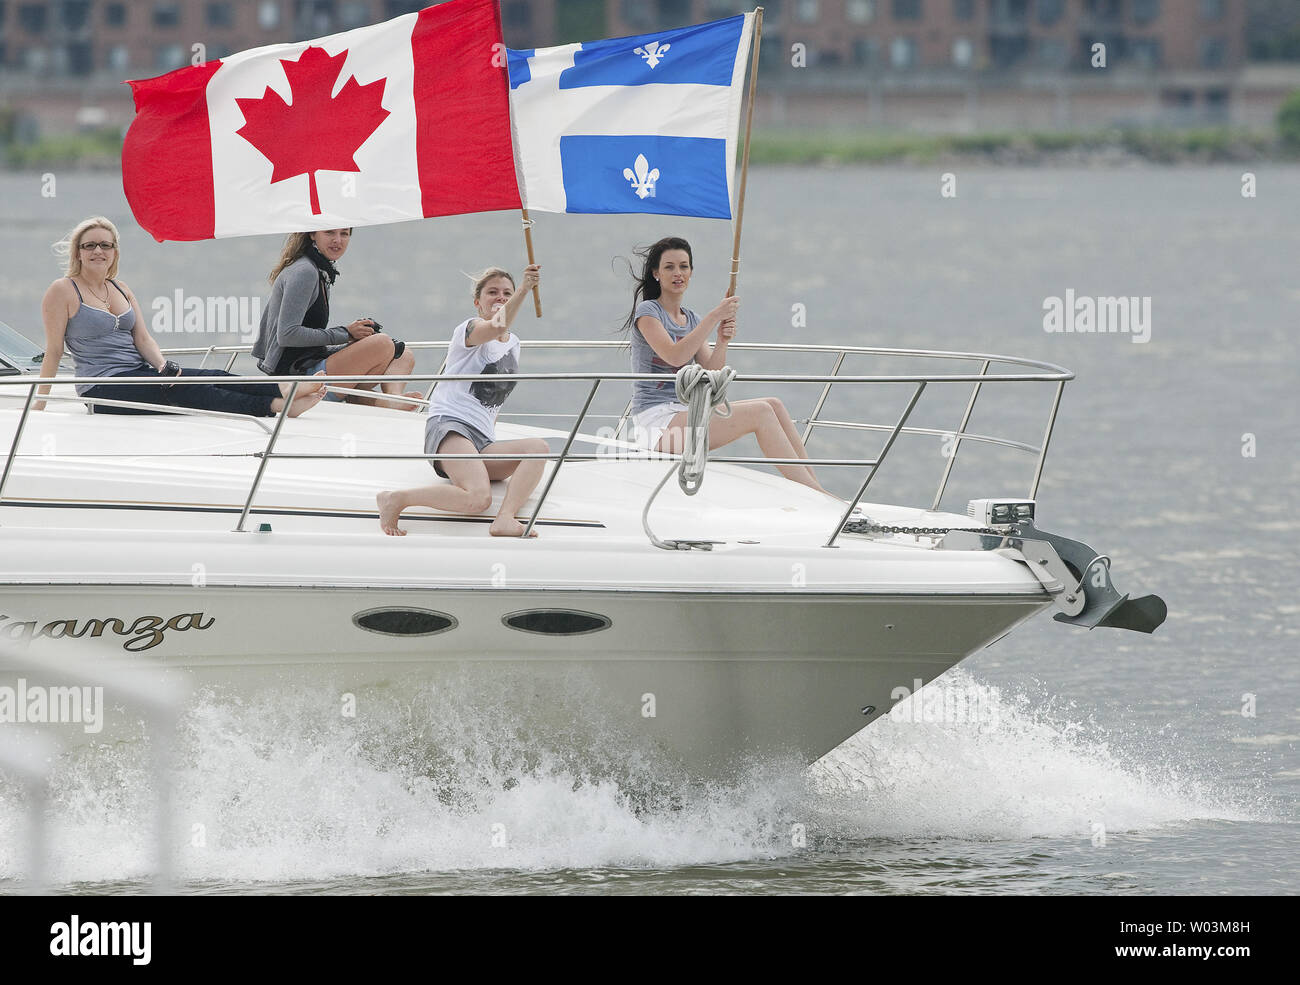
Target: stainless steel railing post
{"type": "Point", "coordinates": [266, 455]}
{"type": "Point", "coordinates": [1047, 436]}
{"type": "Point", "coordinates": [817, 408]}
{"type": "Point", "coordinates": [875, 466]}
{"type": "Point", "coordinates": [961, 431]}
{"type": "Point", "coordinates": [568, 443]}
{"type": "Point", "coordinates": [18, 433]}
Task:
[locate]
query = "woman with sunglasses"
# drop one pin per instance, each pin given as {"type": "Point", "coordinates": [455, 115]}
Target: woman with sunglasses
{"type": "Point", "coordinates": [98, 319]}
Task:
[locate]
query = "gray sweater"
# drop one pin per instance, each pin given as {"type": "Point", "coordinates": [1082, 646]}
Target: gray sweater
{"type": "Point", "coordinates": [293, 292]}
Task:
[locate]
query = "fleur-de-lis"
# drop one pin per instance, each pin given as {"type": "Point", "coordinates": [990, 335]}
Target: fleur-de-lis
{"type": "Point", "coordinates": [653, 53]}
{"type": "Point", "coordinates": [643, 181]}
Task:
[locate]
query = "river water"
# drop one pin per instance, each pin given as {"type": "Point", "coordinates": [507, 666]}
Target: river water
{"type": "Point", "coordinates": [1100, 762]}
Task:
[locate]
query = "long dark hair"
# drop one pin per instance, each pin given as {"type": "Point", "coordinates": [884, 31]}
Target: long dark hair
{"type": "Point", "coordinates": [647, 287]}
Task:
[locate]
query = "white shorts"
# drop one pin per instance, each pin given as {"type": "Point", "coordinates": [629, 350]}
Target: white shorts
{"type": "Point", "coordinates": [649, 425]}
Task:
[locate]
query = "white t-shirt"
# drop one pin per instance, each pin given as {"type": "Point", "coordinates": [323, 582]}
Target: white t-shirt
{"type": "Point", "coordinates": [476, 403]}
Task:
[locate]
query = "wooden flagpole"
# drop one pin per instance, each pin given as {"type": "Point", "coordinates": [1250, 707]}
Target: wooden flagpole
{"type": "Point", "coordinates": [528, 242]}
{"type": "Point", "coordinates": [744, 159]}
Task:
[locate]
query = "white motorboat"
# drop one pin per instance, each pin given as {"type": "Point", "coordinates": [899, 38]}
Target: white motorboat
{"type": "Point", "coordinates": [231, 551]}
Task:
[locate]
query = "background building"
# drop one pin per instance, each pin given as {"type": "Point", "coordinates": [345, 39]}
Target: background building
{"type": "Point", "coordinates": [933, 65]}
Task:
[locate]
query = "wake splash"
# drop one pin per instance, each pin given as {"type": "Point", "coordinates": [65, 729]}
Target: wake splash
{"type": "Point", "coordinates": [278, 787]}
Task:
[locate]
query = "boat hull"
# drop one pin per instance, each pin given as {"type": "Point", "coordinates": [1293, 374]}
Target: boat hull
{"type": "Point", "coordinates": [705, 680]}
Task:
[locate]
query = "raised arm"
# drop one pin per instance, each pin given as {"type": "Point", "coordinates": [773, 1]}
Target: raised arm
{"type": "Point", "coordinates": [55, 312]}
{"type": "Point", "coordinates": [690, 346]}
{"type": "Point", "coordinates": [486, 329]}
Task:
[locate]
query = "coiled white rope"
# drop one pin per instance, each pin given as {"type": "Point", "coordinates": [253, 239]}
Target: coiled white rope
{"type": "Point", "coordinates": [702, 390]}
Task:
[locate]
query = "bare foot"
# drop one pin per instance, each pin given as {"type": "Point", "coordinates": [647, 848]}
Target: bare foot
{"type": "Point", "coordinates": [303, 388]}
{"type": "Point", "coordinates": [508, 526]}
{"type": "Point", "coordinates": [389, 513]}
{"type": "Point", "coordinates": [306, 401]}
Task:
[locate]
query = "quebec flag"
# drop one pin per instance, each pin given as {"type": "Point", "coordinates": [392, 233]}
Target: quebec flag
{"type": "Point", "coordinates": [639, 124]}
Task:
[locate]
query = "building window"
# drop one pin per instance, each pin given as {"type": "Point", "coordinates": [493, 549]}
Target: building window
{"type": "Point", "coordinates": [963, 52]}
{"type": "Point", "coordinates": [1145, 52]}
{"type": "Point", "coordinates": [32, 18]}
{"type": "Point", "coordinates": [1052, 53]}
{"type": "Point", "coordinates": [517, 14]}
{"type": "Point", "coordinates": [119, 57]}
{"type": "Point", "coordinates": [860, 11]}
{"type": "Point", "coordinates": [907, 10]}
{"type": "Point", "coordinates": [805, 11]}
{"type": "Point", "coordinates": [81, 59]}
{"type": "Point", "coordinates": [1105, 10]}
{"type": "Point", "coordinates": [715, 9]}
{"type": "Point", "coordinates": [168, 57]}
{"type": "Point", "coordinates": [1145, 11]}
{"type": "Point", "coordinates": [674, 13]}
{"type": "Point", "coordinates": [115, 15]}
{"type": "Point", "coordinates": [902, 52]}
{"type": "Point", "coordinates": [356, 13]}
{"type": "Point", "coordinates": [74, 14]}
{"type": "Point", "coordinates": [166, 15]}
{"type": "Point", "coordinates": [36, 59]}
{"type": "Point", "coordinates": [636, 13]}
{"type": "Point", "coordinates": [1213, 51]}
{"type": "Point", "coordinates": [1212, 10]}
{"type": "Point", "coordinates": [220, 15]}
{"type": "Point", "coordinates": [866, 52]}
{"type": "Point", "coordinates": [268, 15]}
{"type": "Point", "coordinates": [1050, 11]}
{"type": "Point", "coordinates": [963, 10]}
{"type": "Point", "coordinates": [1014, 12]}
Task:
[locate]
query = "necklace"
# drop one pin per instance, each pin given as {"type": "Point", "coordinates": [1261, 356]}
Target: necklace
{"type": "Point", "coordinates": [104, 299]}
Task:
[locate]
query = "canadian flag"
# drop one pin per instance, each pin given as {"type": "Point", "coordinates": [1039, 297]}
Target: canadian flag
{"type": "Point", "coordinates": [399, 120]}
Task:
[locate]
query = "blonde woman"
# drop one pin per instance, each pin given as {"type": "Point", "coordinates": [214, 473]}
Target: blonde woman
{"type": "Point", "coordinates": [98, 319]}
{"type": "Point", "coordinates": [463, 413]}
{"type": "Point", "coordinates": [296, 338]}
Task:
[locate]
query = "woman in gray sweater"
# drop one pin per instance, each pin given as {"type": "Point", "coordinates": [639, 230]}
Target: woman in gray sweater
{"type": "Point", "coordinates": [296, 338]}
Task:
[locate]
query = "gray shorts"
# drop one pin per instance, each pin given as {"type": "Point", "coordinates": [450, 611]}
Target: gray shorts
{"type": "Point", "coordinates": [437, 428]}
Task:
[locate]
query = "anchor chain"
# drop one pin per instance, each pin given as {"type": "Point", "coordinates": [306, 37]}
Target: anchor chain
{"type": "Point", "coordinates": [867, 527]}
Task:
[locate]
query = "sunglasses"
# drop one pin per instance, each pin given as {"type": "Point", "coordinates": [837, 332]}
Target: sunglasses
{"type": "Point", "coordinates": [99, 246]}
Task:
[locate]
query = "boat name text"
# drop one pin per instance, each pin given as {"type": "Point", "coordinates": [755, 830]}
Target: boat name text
{"type": "Point", "coordinates": [146, 632]}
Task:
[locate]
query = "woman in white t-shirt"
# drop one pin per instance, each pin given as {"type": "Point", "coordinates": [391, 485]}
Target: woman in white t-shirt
{"type": "Point", "coordinates": [666, 336]}
{"type": "Point", "coordinates": [463, 413]}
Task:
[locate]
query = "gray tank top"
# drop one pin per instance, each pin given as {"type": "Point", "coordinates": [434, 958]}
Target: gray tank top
{"type": "Point", "coordinates": [649, 393]}
{"type": "Point", "coordinates": [101, 343]}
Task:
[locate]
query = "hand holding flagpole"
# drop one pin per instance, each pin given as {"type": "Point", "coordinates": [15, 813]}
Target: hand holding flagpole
{"type": "Point", "coordinates": [528, 242]}
{"type": "Point", "coordinates": [744, 159]}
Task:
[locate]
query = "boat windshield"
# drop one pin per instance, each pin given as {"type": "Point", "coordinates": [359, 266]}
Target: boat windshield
{"type": "Point", "coordinates": [17, 352]}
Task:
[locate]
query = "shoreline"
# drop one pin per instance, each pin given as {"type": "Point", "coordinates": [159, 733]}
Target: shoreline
{"type": "Point", "coordinates": [101, 150]}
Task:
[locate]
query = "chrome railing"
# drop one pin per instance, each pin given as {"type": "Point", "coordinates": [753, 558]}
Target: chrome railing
{"type": "Point", "coordinates": [1036, 372]}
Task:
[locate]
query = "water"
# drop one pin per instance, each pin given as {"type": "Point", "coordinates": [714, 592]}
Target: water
{"type": "Point", "coordinates": [1099, 762]}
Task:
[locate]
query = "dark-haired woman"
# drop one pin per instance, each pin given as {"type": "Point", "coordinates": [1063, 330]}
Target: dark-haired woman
{"type": "Point", "coordinates": [666, 335]}
{"type": "Point", "coordinates": [296, 338]}
{"type": "Point", "coordinates": [98, 319]}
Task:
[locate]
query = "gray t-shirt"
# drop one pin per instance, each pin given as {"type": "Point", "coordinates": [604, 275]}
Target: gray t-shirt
{"type": "Point", "coordinates": [476, 403]}
{"type": "Point", "coordinates": [647, 393]}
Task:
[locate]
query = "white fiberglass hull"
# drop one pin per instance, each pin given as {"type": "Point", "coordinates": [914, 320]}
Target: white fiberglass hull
{"type": "Point", "coordinates": [768, 645]}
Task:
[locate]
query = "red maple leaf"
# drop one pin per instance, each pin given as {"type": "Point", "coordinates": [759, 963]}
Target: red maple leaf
{"type": "Point", "coordinates": [317, 132]}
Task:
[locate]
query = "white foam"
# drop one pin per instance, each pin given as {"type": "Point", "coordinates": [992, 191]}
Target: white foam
{"type": "Point", "coordinates": [277, 791]}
